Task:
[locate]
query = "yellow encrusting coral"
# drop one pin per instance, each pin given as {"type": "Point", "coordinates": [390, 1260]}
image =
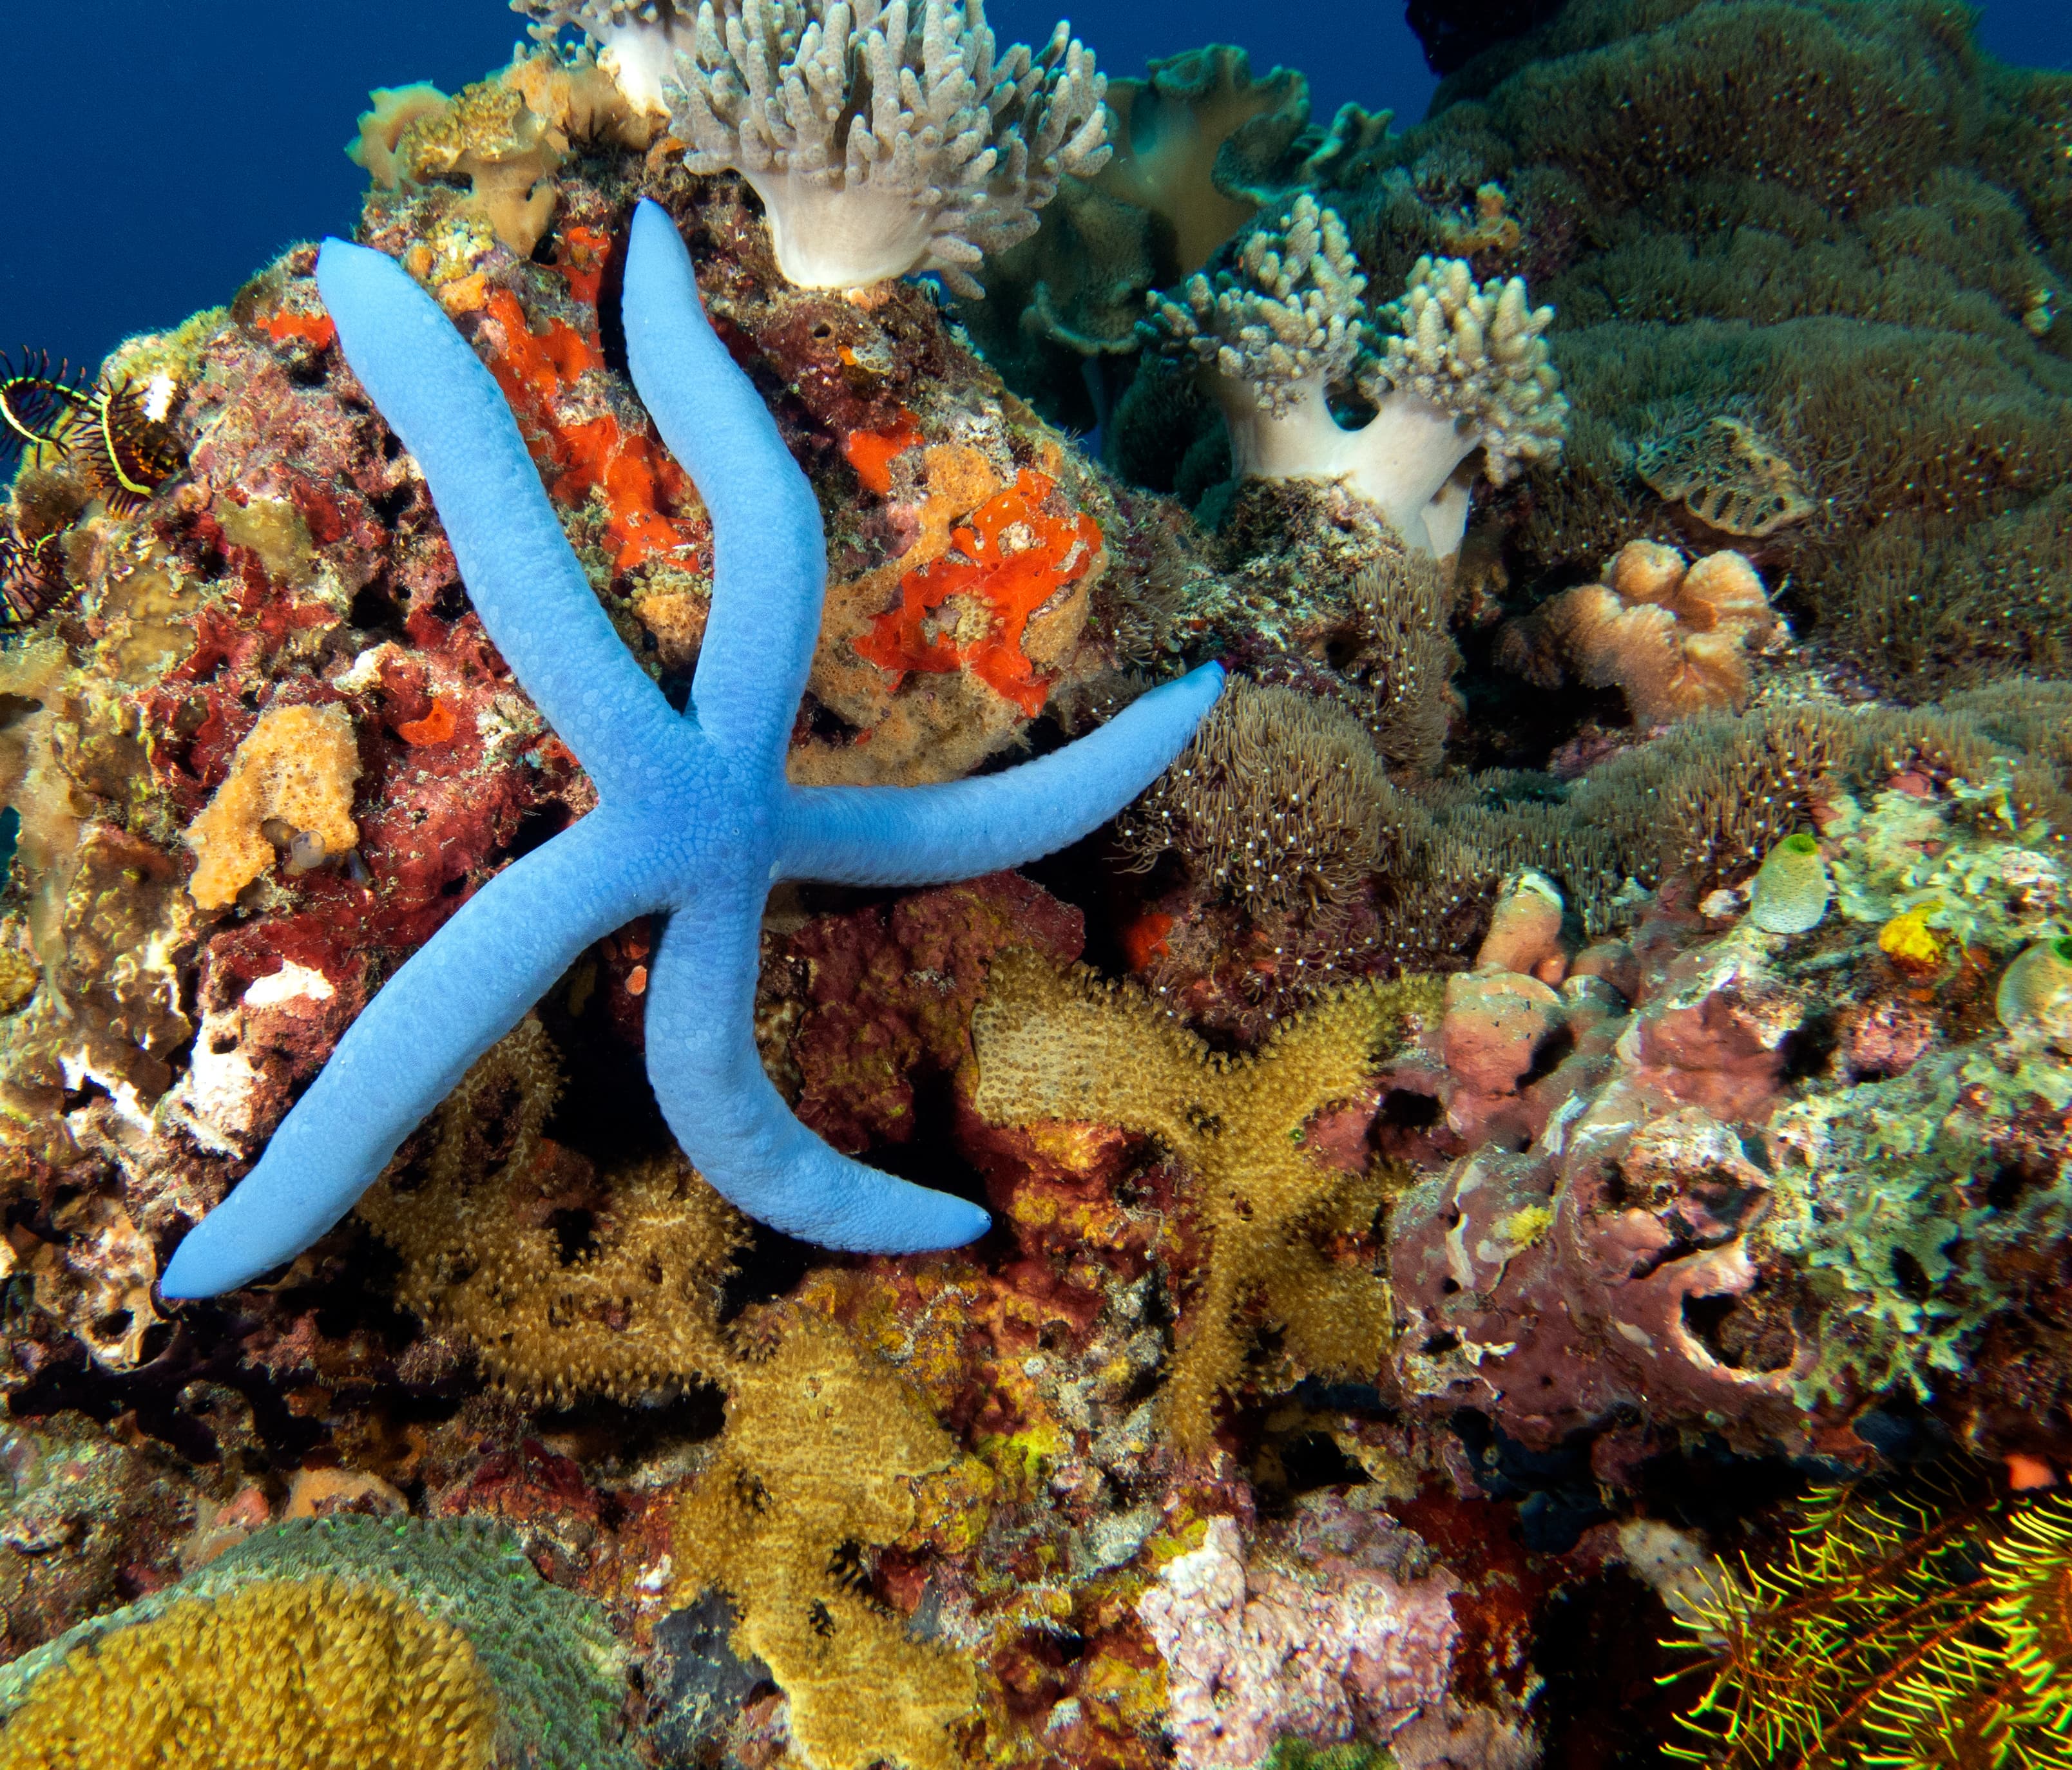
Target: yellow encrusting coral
{"type": "Point", "coordinates": [297, 765]}
{"type": "Point", "coordinates": [824, 1445]}
{"type": "Point", "coordinates": [314, 1673]}
{"type": "Point", "coordinates": [636, 1310]}
{"type": "Point", "coordinates": [1056, 1045]}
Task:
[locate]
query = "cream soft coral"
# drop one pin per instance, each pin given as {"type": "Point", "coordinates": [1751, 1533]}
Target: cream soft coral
{"type": "Point", "coordinates": [1468, 376]}
{"type": "Point", "coordinates": [1673, 638]}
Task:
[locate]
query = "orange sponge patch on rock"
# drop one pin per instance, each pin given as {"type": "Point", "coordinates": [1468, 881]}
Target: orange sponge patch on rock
{"type": "Point", "coordinates": [636, 480]}
{"type": "Point", "coordinates": [1011, 560]}
{"type": "Point", "coordinates": [872, 452]}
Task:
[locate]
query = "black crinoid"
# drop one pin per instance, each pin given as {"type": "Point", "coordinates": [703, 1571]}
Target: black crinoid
{"type": "Point", "coordinates": [39, 406]}
{"type": "Point", "coordinates": [33, 580]}
{"type": "Point", "coordinates": [131, 450]}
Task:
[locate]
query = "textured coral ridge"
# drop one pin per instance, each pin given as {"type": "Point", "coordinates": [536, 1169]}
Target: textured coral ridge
{"type": "Point", "coordinates": [345, 1641]}
{"type": "Point", "coordinates": [1578, 1046]}
{"type": "Point", "coordinates": [694, 818]}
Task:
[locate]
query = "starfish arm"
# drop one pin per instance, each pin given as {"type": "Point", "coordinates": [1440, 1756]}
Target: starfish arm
{"type": "Point", "coordinates": [924, 835]}
{"type": "Point", "coordinates": [524, 582]}
{"type": "Point", "coordinates": [735, 1127]}
{"type": "Point", "coordinates": [769, 561]}
{"type": "Point", "coordinates": [454, 999]}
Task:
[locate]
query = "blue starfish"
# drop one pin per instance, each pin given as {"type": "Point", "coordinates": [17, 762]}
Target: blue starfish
{"type": "Point", "coordinates": [695, 819]}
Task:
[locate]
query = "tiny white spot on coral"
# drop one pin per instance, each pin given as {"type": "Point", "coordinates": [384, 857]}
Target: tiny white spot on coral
{"type": "Point", "coordinates": [284, 985]}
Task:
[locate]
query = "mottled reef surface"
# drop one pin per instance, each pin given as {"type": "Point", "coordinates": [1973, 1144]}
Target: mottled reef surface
{"type": "Point", "coordinates": [1535, 1160]}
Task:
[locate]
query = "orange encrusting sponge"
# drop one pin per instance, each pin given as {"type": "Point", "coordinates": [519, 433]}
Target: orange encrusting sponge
{"type": "Point", "coordinates": [634, 477]}
{"type": "Point", "coordinates": [1014, 559]}
{"type": "Point", "coordinates": [871, 452]}
{"type": "Point", "coordinates": [316, 329]}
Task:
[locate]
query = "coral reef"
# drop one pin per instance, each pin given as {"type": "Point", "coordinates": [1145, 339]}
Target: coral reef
{"type": "Point", "coordinates": [1562, 1060]}
{"type": "Point", "coordinates": [437, 1643]}
{"type": "Point", "coordinates": [654, 774]}
{"type": "Point", "coordinates": [1268, 1208]}
{"type": "Point", "coordinates": [1726, 346]}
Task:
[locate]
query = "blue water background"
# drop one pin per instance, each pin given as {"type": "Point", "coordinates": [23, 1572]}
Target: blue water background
{"type": "Point", "coordinates": [157, 154]}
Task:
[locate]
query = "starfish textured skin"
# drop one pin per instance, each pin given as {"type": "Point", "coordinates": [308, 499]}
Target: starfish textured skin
{"type": "Point", "coordinates": [695, 819]}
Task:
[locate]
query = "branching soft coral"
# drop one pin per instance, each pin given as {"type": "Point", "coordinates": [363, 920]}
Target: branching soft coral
{"type": "Point", "coordinates": [882, 139]}
{"type": "Point", "coordinates": [823, 1446]}
{"type": "Point", "coordinates": [637, 1310]}
{"type": "Point", "coordinates": [1277, 335]}
{"type": "Point", "coordinates": [1052, 1045]}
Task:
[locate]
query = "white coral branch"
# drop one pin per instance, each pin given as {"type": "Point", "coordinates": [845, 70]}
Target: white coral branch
{"type": "Point", "coordinates": [884, 137]}
{"type": "Point", "coordinates": [1470, 373]}
{"type": "Point", "coordinates": [1290, 312]}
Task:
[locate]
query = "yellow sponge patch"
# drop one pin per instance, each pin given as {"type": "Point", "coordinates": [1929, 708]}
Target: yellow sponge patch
{"type": "Point", "coordinates": [296, 766]}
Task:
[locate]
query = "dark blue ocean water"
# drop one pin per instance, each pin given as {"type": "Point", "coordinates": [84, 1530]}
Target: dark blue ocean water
{"type": "Point", "coordinates": [157, 153]}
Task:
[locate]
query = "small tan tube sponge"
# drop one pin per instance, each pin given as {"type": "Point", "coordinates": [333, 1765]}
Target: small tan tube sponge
{"type": "Point", "coordinates": [297, 765]}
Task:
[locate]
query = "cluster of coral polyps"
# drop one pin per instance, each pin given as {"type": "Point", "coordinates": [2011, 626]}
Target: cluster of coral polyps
{"type": "Point", "coordinates": [1410, 1184]}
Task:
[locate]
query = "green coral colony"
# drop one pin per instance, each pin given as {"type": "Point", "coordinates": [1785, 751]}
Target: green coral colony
{"type": "Point", "coordinates": [1530, 1171]}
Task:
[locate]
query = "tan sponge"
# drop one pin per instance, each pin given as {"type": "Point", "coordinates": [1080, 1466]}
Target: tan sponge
{"type": "Point", "coordinates": [297, 765]}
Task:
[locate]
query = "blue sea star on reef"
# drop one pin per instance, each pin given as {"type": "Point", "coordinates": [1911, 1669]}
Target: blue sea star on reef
{"type": "Point", "coordinates": [695, 819]}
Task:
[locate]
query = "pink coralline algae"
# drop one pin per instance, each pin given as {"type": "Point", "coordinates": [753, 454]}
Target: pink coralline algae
{"type": "Point", "coordinates": [1580, 1258]}
{"type": "Point", "coordinates": [1324, 1652]}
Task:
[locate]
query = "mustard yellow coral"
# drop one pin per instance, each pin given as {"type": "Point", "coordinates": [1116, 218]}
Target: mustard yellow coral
{"type": "Point", "coordinates": [825, 1446]}
{"type": "Point", "coordinates": [637, 1309]}
{"type": "Point", "coordinates": [1054, 1045]}
{"type": "Point", "coordinates": [330, 1643]}
{"type": "Point", "coordinates": [297, 766]}
{"type": "Point", "coordinates": [311, 1673]}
